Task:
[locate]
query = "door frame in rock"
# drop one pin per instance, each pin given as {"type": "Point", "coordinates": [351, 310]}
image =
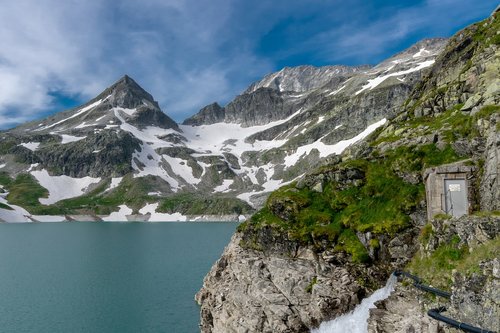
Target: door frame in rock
{"type": "Point", "coordinates": [436, 180]}
{"type": "Point", "coordinates": [455, 197]}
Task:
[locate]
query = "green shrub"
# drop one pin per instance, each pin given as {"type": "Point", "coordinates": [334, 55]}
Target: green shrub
{"type": "Point", "coordinates": [426, 233]}
{"type": "Point", "coordinates": [309, 288]}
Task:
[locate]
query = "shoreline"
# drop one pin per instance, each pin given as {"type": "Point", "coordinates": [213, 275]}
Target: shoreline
{"type": "Point", "coordinates": [135, 218]}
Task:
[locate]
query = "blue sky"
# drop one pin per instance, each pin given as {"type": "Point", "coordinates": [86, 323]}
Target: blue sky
{"type": "Point", "coordinates": [188, 53]}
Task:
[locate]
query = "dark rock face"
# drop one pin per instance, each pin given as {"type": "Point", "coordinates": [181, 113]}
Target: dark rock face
{"type": "Point", "coordinates": [258, 108]}
{"type": "Point", "coordinates": [475, 299]}
{"type": "Point", "coordinates": [126, 93]}
{"type": "Point", "coordinates": [490, 183]}
{"type": "Point", "coordinates": [303, 78]}
{"type": "Point", "coordinates": [146, 116]}
{"type": "Point", "coordinates": [465, 73]}
{"type": "Point", "coordinates": [210, 114]}
{"type": "Point", "coordinates": [102, 154]}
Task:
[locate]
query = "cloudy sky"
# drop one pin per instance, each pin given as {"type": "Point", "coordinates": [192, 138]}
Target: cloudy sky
{"type": "Point", "coordinates": [56, 54]}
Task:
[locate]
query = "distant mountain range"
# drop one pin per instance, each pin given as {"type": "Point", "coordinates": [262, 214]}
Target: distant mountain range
{"type": "Point", "coordinates": [120, 156]}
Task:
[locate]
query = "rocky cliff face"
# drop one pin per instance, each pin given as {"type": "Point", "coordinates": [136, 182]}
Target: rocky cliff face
{"type": "Point", "coordinates": [303, 78]}
{"type": "Point", "coordinates": [210, 114]}
{"type": "Point", "coordinates": [283, 288]}
{"type": "Point", "coordinates": [366, 209]}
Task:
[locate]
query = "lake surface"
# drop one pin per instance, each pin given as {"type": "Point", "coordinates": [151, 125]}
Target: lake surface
{"type": "Point", "coordinates": [105, 277]}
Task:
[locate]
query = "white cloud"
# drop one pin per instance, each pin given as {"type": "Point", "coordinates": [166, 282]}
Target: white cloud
{"type": "Point", "coordinates": [172, 48]}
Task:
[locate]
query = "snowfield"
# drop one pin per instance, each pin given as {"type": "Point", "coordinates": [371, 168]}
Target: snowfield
{"type": "Point", "coordinates": [372, 83]}
{"type": "Point", "coordinates": [70, 138]}
{"type": "Point", "coordinates": [62, 187]}
{"type": "Point", "coordinates": [30, 145]}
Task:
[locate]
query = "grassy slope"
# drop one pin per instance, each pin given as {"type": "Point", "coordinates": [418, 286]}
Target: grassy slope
{"type": "Point", "coordinates": [382, 202]}
{"type": "Point", "coordinates": [437, 268]}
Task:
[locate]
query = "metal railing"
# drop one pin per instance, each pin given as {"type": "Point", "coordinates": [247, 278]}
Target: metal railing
{"type": "Point", "coordinates": [436, 313]}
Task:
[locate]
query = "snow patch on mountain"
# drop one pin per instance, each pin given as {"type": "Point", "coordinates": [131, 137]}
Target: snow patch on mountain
{"type": "Point", "coordinates": [149, 135]}
{"type": "Point", "coordinates": [421, 53]}
{"type": "Point", "coordinates": [115, 182]}
{"type": "Point", "coordinates": [62, 187]}
{"type": "Point", "coordinates": [230, 137]}
{"type": "Point", "coordinates": [372, 83]}
{"type": "Point", "coordinates": [83, 110]}
{"type": "Point", "coordinates": [30, 145]}
{"type": "Point", "coordinates": [48, 218]}
{"type": "Point", "coordinates": [326, 150]}
{"type": "Point", "coordinates": [17, 214]}
{"type": "Point", "coordinates": [150, 163]}
{"type": "Point", "coordinates": [120, 215]}
{"type": "Point", "coordinates": [70, 138]}
{"type": "Point", "coordinates": [224, 187]}
{"type": "Point", "coordinates": [180, 168]}
{"type": "Point", "coordinates": [160, 217]}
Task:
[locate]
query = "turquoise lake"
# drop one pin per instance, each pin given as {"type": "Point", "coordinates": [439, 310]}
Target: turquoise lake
{"type": "Point", "coordinates": [105, 277]}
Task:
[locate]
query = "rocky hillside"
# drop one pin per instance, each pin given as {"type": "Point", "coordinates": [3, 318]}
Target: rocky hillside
{"type": "Point", "coordinates": [323, 242]}
{"type": "Point", "coordinates": [120, 154]}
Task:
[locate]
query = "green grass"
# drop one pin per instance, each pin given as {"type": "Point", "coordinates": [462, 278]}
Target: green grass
{"type": "Point", "coordinates": [310, 286]}
{"type": "Point", "coordinates": [192, 204]}
{"type": "Point", "coordinates": [380, 203]}
{"type": "Point", "coordinates": [437, 268]}
{"type": "Point", "coordinates": [349, 242]}
{"type": "Point", "coordinates": [5, 179]}
{"type": "Point", "coordinates": [450, 125]}
{"type": "Point", "coordinates": [25, 191]}
{"type": "Point", "coordinates": [487, 34]}
{"type": "Point", "coordinates": [426, 233]}
{"type": "Point", "coordinates": [131, 192]}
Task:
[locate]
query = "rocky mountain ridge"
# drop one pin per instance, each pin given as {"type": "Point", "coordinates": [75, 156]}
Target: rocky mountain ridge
{"type": "Point", "coordinates": [121, 141]}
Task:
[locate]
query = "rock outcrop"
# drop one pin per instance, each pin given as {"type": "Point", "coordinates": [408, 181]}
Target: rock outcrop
{"type": "Point", "coordinates": [304, 78]}
{"type": "Point", "coordinates": [275, 291]}
{"type": "Point", "coordinates": [401, 312]}
{"type": "Point", "coordinates": [490, 183]}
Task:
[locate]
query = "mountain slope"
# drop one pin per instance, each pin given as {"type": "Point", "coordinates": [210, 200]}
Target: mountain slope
{"type": "Point", "coordinates": [322, 243]}
{"type": "Point", "coordinates": [236, 154]}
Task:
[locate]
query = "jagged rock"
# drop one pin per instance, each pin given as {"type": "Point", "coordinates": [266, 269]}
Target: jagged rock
{"type": "Point", "coordinates": [476, 299]}
{"type": "Point", "coordinates": [401, 312]}
{"type": "Point", "coordinates": [490, 183]}
{"type": "Point", "coordinates": [303, 78]}
{"type": "Point", "coordinates": [210, 114]}
{"type": "Point", "coordinates": [249, 291]}
{"type": "Point", "coordinates": [472, 230]}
